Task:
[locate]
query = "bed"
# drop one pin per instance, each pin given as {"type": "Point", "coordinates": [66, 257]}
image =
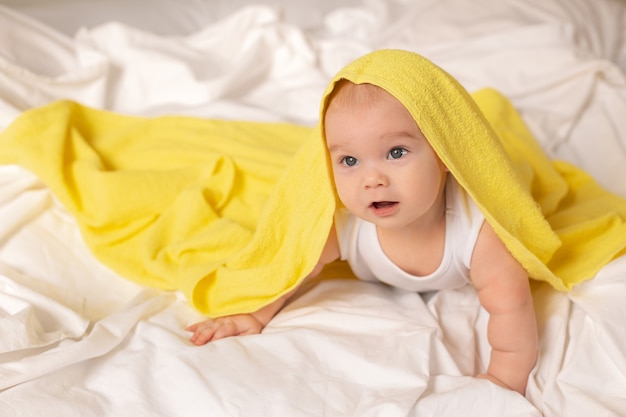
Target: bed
{"type": "Point", "coordinates": [78, 339]}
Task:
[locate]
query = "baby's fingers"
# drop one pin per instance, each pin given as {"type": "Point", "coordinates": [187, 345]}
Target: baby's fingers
{"type": "Point", "coordinates": [201, 336]}
{"type": "Point", "coordinates": [215, 329]}
{"type": "Point", "coordinates": [211, 330]}
{"type": "Point", "coordinates": [202, 332]}
{"type": "Point", "coordinates": [226, 329]}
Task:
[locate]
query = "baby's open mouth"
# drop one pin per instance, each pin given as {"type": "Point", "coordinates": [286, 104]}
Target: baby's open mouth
{"type": "Point", "coordinates": [383, 204]}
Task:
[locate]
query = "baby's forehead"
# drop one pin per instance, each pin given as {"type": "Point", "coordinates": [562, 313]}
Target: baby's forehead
{"type": "Point", "coordinates": [347, 93]}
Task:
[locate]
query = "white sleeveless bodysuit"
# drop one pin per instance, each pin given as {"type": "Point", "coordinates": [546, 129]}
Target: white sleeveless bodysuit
{"type": "Point", "coordinates": [359, 245]}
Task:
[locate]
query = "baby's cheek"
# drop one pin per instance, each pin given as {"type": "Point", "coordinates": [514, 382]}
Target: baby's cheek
{"type": "Point", "coordinates": [344, 193]}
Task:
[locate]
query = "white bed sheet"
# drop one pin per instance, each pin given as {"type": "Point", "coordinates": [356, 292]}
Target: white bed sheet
{"type": "Point", "coordinates": [79, 340]}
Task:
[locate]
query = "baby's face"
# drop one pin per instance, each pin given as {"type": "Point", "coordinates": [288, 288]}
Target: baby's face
{"type": "Point", "coordinates": [385, 170]}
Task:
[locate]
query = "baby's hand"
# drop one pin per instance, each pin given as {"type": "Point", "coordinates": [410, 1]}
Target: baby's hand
{"type": "Point", "coordinates": [214, 329]}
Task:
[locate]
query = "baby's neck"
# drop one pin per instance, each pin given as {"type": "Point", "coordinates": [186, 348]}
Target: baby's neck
{"type": "Point", "coordinates": [418, 250]}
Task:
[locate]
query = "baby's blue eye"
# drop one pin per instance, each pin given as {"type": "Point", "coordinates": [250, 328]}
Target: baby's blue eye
{"type": "Point", "coordinates": [350, 161]}
{"type": "Point", "coordinates": [397, 153]}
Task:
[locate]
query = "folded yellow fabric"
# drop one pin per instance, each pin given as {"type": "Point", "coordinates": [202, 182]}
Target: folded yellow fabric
{"type": "Point", "coordinates": [235, 214]}
{"type": "Point", "coordinates": [181, 203]}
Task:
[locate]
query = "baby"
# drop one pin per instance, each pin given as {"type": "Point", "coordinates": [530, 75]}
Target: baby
{"type": "Point", "coordinates": [407, 222]}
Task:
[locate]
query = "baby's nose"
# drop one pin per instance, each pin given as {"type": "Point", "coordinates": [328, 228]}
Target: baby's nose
{"type": "Point", "coordinates": [375, 177]}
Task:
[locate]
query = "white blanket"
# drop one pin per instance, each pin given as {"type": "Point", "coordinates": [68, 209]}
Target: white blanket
{"type": "Point", "coordinates": [76, 339]}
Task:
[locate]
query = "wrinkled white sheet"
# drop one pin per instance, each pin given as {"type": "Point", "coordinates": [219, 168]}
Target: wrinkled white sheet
{"type": "Point", "coordinates": [76, 339]}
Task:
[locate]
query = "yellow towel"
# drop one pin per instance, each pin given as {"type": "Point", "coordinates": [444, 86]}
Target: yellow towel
{"type": "Point", "coordinates": [235, 213]}
{"type": "Point", "coordinates": [181, 203]}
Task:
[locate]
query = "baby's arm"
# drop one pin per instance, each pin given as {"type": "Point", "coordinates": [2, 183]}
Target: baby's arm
{"type": "Point", "coordinates": [504, 291]}
{"type": "Point", "coordinates": [235, 325]}
{"type": "Point", "coordinates": [244, 324]}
